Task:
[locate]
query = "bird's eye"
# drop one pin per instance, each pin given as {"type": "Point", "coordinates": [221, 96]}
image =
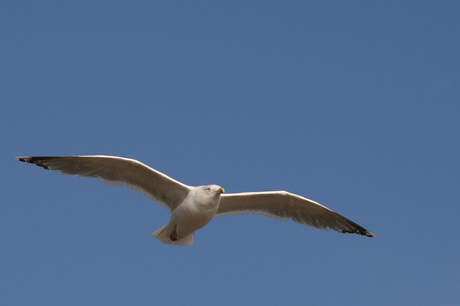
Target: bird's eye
{"type": "Point", "coordinates": [208, 188]}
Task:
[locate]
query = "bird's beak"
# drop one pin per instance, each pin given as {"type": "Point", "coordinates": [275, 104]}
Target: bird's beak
{"type": "Point", "coordinates": [220, 190]}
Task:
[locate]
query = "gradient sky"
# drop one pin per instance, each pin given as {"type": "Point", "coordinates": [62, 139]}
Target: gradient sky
{"type": "Point", "coordinates": [354, 104]}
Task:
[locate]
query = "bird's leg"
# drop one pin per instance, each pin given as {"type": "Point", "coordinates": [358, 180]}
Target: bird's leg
{"type": "Point", "coordinates": [174, 235]}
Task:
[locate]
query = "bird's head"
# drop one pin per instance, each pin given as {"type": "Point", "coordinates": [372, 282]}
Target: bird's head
{"type": "Point", "coordinates": [208, 196]}
{"type": "Point", "coordinates": [213, 190]}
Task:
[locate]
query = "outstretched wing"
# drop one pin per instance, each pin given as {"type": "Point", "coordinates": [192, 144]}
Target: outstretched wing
{"type": "Point", "coordinates": [282, 205]}
{"type": "Point", "coordinates": [114, 170]}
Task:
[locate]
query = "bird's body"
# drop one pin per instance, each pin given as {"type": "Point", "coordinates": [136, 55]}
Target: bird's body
{"type": "Point", "coordinates": [197, 210]}
{"type": "Point", "coordinates": [194, 207]}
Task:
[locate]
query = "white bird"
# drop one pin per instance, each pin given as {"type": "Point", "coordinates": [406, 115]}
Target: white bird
{"type": "Point", "coordinates": [193, 207]}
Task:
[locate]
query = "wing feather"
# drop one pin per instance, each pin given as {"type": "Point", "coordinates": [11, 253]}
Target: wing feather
{"type": "Point", "coordinates": [282, 205]}
{"type": "Point", "coordinates": [120, 171]}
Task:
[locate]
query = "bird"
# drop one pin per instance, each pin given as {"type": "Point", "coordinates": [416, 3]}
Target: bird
{"type": "Point", "coordinates": [193, 207]}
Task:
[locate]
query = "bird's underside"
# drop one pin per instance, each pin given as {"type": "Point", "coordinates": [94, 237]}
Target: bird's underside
{"type": "Point", "coordinates": [193, 207]}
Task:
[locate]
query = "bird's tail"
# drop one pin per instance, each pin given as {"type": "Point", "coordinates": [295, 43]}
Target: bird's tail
{"type": "Point", "coordinates": [164, 235]}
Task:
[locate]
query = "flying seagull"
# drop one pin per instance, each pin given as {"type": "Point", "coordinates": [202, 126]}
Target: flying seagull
{"type": "Point", "coordinates": [193, 207]}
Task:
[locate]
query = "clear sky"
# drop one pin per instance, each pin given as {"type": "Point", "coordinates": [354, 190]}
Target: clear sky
{"type": "Point", "coordinates": [354, 104]}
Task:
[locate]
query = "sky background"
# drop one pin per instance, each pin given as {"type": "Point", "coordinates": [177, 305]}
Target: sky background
{"type": "Point", "coordinates": [354, 104]}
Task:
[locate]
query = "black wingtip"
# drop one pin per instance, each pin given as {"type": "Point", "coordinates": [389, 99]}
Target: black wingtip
{"type": "Point", "coordinates": [33, 160]}
{"type": "Point", "coordinates": [363, 232]}
{"type": "Point", "coordinates": [369, 234]}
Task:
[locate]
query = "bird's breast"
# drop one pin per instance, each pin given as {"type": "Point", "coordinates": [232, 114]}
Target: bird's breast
{"type": "Point", "coordinates": [191, 216]}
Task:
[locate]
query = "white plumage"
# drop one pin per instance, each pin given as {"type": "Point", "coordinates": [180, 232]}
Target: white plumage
{"type": "Point", "coordinates": [193, 207]}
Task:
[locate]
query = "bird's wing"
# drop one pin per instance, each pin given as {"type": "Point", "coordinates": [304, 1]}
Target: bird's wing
{"type": "Point", "coordinates": [113, 170]}
{"type": "Point", "coordinates": [282, 205]}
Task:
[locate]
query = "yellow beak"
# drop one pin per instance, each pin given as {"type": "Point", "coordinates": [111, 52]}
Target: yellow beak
{"type": "Point", "coordinates": [220, 190]}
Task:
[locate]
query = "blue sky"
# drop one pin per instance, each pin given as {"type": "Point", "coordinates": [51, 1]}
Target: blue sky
{"type": "Point", "coordinates": [353, 104]}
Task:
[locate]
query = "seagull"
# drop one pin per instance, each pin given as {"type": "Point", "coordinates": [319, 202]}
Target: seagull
{"type": "Point", "coordinates": [193, 207]}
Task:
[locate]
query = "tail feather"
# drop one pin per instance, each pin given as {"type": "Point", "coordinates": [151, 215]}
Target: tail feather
{"type": "Point", "coordinates": [164, 235]}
